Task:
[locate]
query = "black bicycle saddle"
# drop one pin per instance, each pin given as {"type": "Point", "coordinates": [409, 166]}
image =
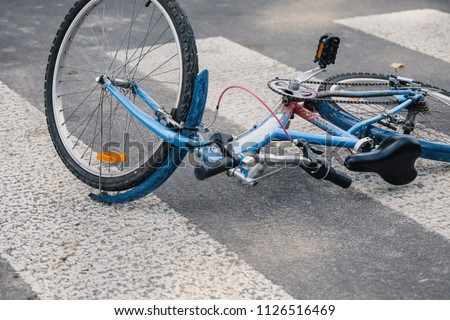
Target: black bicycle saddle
{"type": "Point", "coordinates": [393, 160]}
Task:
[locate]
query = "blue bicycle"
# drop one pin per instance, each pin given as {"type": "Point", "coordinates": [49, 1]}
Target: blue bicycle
{"type": "Point", "coordinates": [124, 105]}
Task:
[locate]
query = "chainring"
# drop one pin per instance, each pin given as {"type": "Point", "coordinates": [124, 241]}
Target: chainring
{"type": "Point", "coordinates": [292, 88]}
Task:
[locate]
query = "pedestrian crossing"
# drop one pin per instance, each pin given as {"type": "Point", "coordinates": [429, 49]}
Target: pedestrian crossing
{"type": "Point", "coordinates": [68, 247]}
{"type": "Point", "coordinates": [424, 30]}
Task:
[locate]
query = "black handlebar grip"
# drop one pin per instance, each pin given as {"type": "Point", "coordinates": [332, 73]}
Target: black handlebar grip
{"type": "Point", "coordinates": [209, 169]}
{"type": "Point", "coordinates": [322, 170]}
{"type": "Point", "coordinates": [338, 178]}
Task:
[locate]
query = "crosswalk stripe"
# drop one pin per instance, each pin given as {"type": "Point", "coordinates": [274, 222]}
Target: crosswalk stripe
{"type": "Point", "coordinates": [67, 246]}
{"type": "Point", "coordinates": [425, 30]}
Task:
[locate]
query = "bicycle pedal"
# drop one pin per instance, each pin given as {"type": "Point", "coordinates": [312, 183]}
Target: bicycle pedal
{"type": "Point", "coordinates": [327, 50]}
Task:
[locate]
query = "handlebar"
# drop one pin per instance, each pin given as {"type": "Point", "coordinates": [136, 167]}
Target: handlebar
{"type": "Point", "coordinates": [323, 171]}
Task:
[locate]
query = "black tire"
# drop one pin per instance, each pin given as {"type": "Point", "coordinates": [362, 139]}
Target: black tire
{"type": "Point", "coordinates": [431, 119]}
{"type": "Point", "coordinates": [155, 46]}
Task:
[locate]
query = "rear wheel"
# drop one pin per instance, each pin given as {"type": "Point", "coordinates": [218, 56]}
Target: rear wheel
{"type": "Point", "coordinates": [150, 42]}
{"type": "Point", "coordinates": [428, 122]}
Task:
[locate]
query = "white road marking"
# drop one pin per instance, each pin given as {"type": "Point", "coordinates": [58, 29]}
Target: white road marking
{"type": "Point", "coordinates": [232, 64]}
{"type": "Point", "coordinates": [425, 30]}
{"type": "Point", "coordinates": [68, 247]}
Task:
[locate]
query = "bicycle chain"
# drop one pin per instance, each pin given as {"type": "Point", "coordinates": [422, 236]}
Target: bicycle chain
{"type": "Point", "coordinates": [419, 106]}
{"type": "Point", "coordinates": [339, 100]}
{"type": "Point", "coordinates": [347, 84]}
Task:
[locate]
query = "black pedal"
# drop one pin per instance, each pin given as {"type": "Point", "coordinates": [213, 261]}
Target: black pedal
{"type": "Point", "coordinates": [327, 50]}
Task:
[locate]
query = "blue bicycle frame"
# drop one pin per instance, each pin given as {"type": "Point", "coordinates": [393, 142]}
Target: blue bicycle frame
{"type": "Point", "coordinates": [269, 129]}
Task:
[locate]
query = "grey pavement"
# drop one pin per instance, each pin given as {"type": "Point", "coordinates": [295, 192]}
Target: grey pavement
{"type": "Point", "coordinates": [291, 235]}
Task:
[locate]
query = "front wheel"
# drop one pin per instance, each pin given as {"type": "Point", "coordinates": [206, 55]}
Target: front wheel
{"type": "Point", "coordinates": [149, 42]}
{"type": "Point", "coordinates": [428, 121]}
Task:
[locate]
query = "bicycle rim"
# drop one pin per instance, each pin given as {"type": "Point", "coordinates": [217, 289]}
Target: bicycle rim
{"type": "Point", "coordinates": [129, 40]}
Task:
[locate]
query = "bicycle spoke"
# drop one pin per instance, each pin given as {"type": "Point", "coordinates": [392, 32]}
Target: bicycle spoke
{"type": "Point", "coordinates": [71, 115]}
{"type": "Point", "coordinates": [127, 34]}
{"type": "Point", "coordinates": [80, 69]}
{"type": "Point", "coordinates": [76, 128]}
{"type": "Point", "coordinates": [142, 44]}
{"type": "Point", "coordinates": [78, 58]}
{"type": "Point", "coordinates": [110, 127]}
{"type": "Point", "coordinates": [72, 93]}
{"type": "Point", "coordinates": [101, 145]}
{"type": "Point", "coordinates": [161, 65]}
{"type": "Point", "coordinates": [129, 37]}
{"type": "Point", "coordinates": [119, 70]}
{"type": "Point", "coordinates": [96, 135]}
{"type": "Point", "coordinates": [75, 106]}
{"type": "Point", "coordinates": [91, 146]}
{"type": "Point", "coordinates": [143, 56]}
{"type": "Point", "coordinates": [165, 72]}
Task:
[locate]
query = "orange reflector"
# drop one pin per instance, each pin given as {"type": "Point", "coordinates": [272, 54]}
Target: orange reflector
{"type": "Point", "coordinates": [111, 156]}
{"type": "Point", "coordinates": [320, 50]}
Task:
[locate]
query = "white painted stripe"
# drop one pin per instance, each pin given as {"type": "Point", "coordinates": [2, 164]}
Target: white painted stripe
{"type": "Point", "coordinates": [425, 30]}
{"type": "Point", "coordinates": [232, 64]}
{"type": "Point", "coordinates": [425, 200]}
{"type": "Point", "coordinates": [67, 246]}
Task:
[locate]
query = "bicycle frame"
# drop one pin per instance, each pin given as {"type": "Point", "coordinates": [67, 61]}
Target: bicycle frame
{"type": "Point", "coordinates": [269, 129]}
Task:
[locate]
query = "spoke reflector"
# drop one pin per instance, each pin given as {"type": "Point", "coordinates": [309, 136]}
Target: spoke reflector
{"type": "Point", "coordinates": [111, 156]}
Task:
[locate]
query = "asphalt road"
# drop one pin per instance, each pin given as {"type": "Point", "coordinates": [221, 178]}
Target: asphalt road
{"type": "Point", "coordinates": [312, 240]}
